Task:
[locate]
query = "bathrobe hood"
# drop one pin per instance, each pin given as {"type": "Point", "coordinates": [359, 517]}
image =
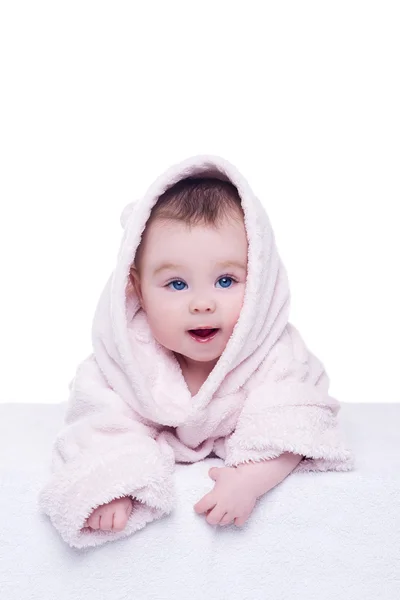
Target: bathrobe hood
{"type": "Point", "coordinates": [263, 317]}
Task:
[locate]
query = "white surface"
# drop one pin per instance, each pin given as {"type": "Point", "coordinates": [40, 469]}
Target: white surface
{"type": "Point", "coordinates": [324, 535]}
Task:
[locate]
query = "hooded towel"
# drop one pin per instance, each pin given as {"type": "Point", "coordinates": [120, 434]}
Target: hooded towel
{"type": "Point", "coordinates": [130, 415]}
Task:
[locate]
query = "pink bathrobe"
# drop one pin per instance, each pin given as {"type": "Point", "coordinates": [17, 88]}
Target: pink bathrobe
{"type": "Point", "coordinates": [131, 417]}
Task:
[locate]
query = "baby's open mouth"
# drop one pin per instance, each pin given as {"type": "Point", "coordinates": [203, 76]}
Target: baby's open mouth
{"type": "Point", "coordinates": [203, 334]}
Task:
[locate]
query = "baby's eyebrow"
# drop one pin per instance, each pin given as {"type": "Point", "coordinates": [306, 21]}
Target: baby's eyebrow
{"type": "Point", "coordinates": [232, 263]}
{"type": "Point", "coordinates": [222, 265]}
{"type": "Point", "coordinates": [165, 266]}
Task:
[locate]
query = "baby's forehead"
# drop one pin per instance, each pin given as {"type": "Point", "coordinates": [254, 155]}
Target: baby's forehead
{"type": "Point", "coordinates": [210, 259]}
{"type": "Point", "coordinates": [172, 240]}
{"type": "Point", "coordinates": [184, 236]}
{"type": "Point", "coordinates": [226, 225]}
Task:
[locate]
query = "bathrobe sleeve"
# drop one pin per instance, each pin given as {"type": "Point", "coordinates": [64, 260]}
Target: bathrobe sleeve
{"type": "Point", "coordinates": [102, 453]}
{"type": "Point", "coordinates": [288, 409]}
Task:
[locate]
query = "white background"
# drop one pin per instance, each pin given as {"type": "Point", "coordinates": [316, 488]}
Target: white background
{"type": "Point", "coordinates": [97, 98]}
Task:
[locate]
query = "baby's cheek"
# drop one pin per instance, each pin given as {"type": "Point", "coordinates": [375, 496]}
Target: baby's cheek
{"type": "Point", "coordinates": [163, 327]}
{"type": "Point", "coordinates": [236, 314]}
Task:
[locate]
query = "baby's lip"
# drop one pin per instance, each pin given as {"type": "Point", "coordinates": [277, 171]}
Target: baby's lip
{"type": "Point", "coordinates": [197, 328]}
{"type": "Point", "coordinates": [202, 327]}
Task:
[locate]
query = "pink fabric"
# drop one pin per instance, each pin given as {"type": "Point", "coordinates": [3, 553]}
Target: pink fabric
{"type": "Point", "coordinates": [131, 416]}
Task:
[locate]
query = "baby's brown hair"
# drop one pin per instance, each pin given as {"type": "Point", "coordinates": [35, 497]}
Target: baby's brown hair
{"type": "Point", "coordinates": [196, 200]}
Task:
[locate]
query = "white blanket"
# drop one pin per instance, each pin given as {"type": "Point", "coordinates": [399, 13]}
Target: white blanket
{"type": "Point", "coordinates": [316, 536]}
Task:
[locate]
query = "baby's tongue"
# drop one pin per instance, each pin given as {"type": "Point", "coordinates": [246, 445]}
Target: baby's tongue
{"type": "Point", "coordinates": [202, 332]}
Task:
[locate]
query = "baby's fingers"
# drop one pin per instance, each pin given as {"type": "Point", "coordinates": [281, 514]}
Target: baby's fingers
{"type": "Point", "coordinates": [93, 521]}
{"type": "Point", "coordinates": [226, 520]}
{"type": "Point", "coordinates": [121, 518]}
{"type": "Point", "coordinates": [205, 504]}
{"type": "Point", "coordinates": [106, 520]}
{"type": "Point", "coordinates": [215, 515]}
{"type": "Point", "coordinates": [240, 521]}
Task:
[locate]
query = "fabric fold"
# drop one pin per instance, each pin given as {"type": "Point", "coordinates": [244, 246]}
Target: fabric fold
{"type": "Point", "coordinates": [101, 454]}
{"type": "Point", "coordinates": [309, 429]}
{"type": "Point", "coordinates": [290, 410]}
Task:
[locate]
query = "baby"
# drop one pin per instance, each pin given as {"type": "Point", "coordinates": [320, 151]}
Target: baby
{"type": "Point", "coordinates": [193, 357]}
{"type": "Point", "coordinates": [190, 274]}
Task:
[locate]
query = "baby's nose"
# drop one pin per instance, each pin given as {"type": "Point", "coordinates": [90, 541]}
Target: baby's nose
{"type": "Point", "coordinates": [202, 306]}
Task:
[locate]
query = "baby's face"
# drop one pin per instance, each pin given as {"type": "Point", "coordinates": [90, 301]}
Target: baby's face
{"type": "Point", "coordinates": [191, 279]}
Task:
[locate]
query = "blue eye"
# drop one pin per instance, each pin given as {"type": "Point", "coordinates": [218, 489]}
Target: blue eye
{"type": "Point", "coordinates": [179, 285]}
{"type": "Point", "coordinates": [226, 280]}
{"type": "Point", "coordinates": [177, 281]}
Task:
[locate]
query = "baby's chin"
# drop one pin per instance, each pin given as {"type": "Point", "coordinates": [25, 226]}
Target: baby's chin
{"type": "Point", "coordinates": [203, 367]}
{"type": "Point", "coordinates": [200, 358]}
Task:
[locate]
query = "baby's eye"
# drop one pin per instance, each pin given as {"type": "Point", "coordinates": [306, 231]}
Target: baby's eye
{"type": "Point", "coordinates": [226, 281]}
{"type": "Point", "coordinates": [176, 281]}
{"type": "Point", "coordinates": [178, 285]}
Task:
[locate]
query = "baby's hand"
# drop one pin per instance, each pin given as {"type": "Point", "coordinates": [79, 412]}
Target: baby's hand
{"type": "Point", "coordinates": [112, 516]}
{"type": "Point", "coordinates": [230, 500]}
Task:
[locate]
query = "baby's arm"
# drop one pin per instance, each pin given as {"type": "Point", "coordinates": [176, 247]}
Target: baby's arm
{"type": "Point", "coordinates": [260, 477]}
{"type": "Point", "coordinates": [237, 488]}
